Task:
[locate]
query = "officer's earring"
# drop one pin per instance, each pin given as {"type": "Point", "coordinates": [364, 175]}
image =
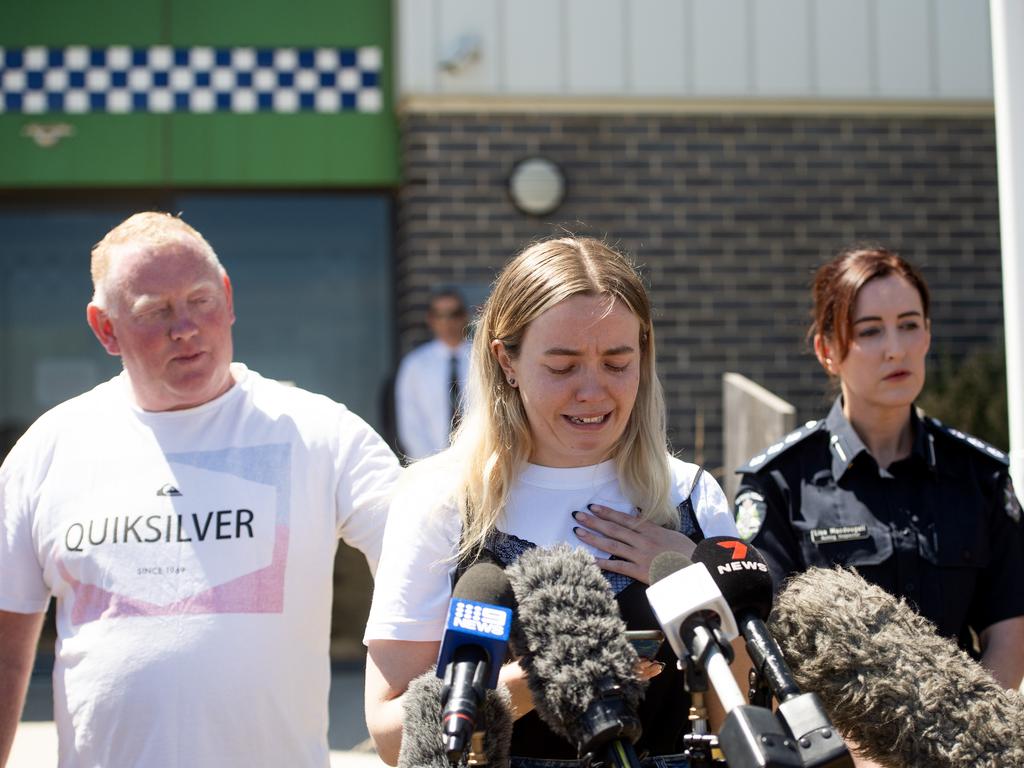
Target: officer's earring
{"type": "Point", "coordinates": [511, 381]}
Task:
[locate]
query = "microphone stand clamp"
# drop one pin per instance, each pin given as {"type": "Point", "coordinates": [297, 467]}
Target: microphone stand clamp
{"type": "Point", "coordinates": [612, 729]}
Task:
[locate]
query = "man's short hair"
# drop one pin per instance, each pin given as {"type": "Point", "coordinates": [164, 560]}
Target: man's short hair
{"type": "Point", "coordinates": [151, 229]}
{"type": "Point", "coordinates": [445, 293]}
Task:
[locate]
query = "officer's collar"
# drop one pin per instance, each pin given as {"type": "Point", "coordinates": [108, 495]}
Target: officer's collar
{"type": "Point", "coordinates": [924, 442]}
{"type": "Point", "coordinates": [845, 444]}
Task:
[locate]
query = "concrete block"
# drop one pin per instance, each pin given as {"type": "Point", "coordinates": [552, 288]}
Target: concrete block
{"type": "Point", "coordinates": [754, 418]}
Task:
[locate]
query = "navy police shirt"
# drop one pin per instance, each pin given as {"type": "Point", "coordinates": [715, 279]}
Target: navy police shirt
{"type": "Point", "coordinates": [941, 527]}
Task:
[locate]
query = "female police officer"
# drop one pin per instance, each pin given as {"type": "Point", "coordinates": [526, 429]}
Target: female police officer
{"type": "Point", "coordinates": [918, 508]}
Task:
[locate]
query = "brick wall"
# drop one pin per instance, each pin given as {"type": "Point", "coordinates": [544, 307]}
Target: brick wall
{"type": "Point", "coordinates": [728, 217]}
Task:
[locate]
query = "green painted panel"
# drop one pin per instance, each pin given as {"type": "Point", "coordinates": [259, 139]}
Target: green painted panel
{"type": "Point", "coordinates": [350, 149]}
{"type": "Point", "coordinates": [298, 23]}
{"type": "Point", "coordinates": [273, 22]}
{"type": "Point", "coordinates": [69, 22]}
{"type": "Point", "coordinates": [101, 150]}
{"type": "Point", "coordinates": [222, 149]}
{"type": "Point", "coordinates": [344, 149]}
{"type": "Point", "coordinates": [196, 22]}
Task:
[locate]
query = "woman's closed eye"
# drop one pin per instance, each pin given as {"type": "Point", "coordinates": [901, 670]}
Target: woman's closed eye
{"type": "Point", "coordinates": [560, 371]}
{"type": "Point", "coordinates": [570, 368]}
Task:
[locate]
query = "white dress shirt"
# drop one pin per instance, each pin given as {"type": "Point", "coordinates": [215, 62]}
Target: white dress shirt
{"type": "Point", "coordinates": [422, 400]}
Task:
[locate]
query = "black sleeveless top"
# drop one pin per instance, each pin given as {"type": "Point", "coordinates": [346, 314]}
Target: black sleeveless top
{"type": "Point", "coordinates": [665, 707]}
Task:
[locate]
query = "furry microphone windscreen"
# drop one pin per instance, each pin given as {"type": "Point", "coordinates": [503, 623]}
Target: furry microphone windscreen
{"type": "Point", "coordinates": [422, 743]}
{"type": "Point", "coordinates": [571, 637]}
{"type": "Point", "coordinates": [907, 696]}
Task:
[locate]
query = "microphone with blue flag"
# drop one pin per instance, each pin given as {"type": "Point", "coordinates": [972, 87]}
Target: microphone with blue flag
{"type": "Point", "coordinates": [472, 651]}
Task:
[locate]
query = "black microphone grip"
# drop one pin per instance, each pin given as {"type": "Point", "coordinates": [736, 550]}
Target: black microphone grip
{"type": "Point", "coordinates": [464, 690]}
{"type": "Point", "coordinates": [803, 714]}
{"type": "Point", "coordinates": [741, 572]}
{"type": "Point", "coordinates": [767, 656]}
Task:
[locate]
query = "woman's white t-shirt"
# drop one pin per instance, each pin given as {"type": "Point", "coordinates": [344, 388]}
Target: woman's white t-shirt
{"type": "Point", "coordinates": [413, 580]}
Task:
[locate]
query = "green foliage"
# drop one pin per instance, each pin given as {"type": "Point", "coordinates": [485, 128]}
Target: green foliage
{"type": "Point", "coordinates": [970, 394]}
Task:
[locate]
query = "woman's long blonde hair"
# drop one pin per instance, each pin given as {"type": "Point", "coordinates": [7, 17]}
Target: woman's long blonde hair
{"type": "Point", "coordinates": [494, 439]}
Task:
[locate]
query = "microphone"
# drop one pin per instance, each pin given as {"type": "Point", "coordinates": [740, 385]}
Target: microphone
{"type": "Point", "coordinates": [696, 620]}
{"type": "Point", "coordinates": [699, 624]}
{"type": "Point", "coordinates": [472, 650]}
{"type": "Point", "coordinates": [579, 665]}
{"type": "Point", "coordinates": [742, 574]}
{"type": "Point", "coordinates": [423, 745]}
{"type": "Point", "coordinates": [906, 695]}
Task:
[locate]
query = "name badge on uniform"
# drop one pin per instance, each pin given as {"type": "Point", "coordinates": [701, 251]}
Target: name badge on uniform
{"type": "Point", "coordinates": [839, 533]}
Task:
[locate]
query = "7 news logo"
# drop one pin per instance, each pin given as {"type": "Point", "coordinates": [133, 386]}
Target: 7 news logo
{"type": "Point", "coordinates": [738, 561]}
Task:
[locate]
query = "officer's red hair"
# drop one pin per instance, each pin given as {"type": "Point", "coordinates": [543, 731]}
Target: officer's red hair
{"type": "Point", "coordinates": [837, 283]}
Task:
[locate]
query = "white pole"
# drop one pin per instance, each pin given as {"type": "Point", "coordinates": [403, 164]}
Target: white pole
{"type": "Point", "coordinates": [1007, 17]}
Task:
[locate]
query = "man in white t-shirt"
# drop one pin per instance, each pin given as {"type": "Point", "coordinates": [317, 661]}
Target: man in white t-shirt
{"type": "Point", "coordinates": [432, 378]}
{"type": "Point", "coordinates": [185, 516]}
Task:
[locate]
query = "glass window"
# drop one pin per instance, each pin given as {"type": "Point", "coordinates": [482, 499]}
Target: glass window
{"type": "Point", "coordinates": [311, 274]}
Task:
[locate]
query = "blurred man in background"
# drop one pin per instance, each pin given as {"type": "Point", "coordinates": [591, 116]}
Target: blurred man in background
{"type": "Point", "coordinates": [432, 378]}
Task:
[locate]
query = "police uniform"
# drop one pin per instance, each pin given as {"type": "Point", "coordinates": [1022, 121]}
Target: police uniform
{"type": "Point", "coordinates": [941, 527]}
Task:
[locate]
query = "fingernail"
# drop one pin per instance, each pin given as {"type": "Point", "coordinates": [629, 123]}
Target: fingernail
{"type": "Point", "coordinates": [574, 515]}
{"type": "Point", "coordinates": [590, 507]}
{"type": "Point", "coordinates": [576, 530]}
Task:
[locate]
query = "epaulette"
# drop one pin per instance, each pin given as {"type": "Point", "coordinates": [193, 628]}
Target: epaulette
{"type": "Point", "coordinates": [761, 460]}
{"type": "Point", "coordinates": [962, 437]}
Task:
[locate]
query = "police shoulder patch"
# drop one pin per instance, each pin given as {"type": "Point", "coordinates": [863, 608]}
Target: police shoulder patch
{"type": "Point", "coordinates": [962, 437]}
{"type": "Point", "coordinates": [750, 513]}
{"type": "Point", "coordinates": [761, 460]}
{"type": "Point", "coordinates": [1010, 501]}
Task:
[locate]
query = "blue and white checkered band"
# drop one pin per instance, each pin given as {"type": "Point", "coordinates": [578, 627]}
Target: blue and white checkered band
{"type": "Point", "coordinates": [160, 78]}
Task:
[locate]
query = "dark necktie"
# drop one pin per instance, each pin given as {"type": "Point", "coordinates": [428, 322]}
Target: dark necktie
{"type": "Point", "coordinates": [453, 390]}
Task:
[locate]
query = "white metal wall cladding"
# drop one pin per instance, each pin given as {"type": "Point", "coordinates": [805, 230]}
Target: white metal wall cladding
{"type": "Point", "coordinates": [770, 49]}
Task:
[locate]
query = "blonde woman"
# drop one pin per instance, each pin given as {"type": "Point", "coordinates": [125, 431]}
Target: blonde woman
{"type": "Point", "coordinates": [563, 441]}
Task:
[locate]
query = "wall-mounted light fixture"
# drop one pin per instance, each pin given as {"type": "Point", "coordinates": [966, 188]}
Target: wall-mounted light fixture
{"type": "Point", "coordinates": [461, 53]}
{"type": "Point", "coordinates": [537, 186]}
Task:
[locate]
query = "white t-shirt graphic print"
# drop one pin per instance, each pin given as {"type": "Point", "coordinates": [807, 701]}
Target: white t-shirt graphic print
{"type": "Point", "coordinates": [198, 549]}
